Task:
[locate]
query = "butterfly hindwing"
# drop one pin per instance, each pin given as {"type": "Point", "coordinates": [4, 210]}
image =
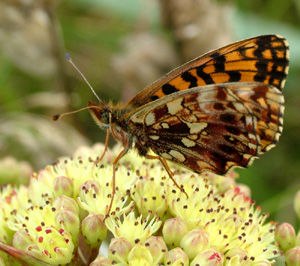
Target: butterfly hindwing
{"type": "Point", "coordinates": [214, 127]}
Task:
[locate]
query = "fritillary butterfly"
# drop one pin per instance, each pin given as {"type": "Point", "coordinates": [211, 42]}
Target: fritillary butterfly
{"type": "Point", "coordinates": [220, 110]}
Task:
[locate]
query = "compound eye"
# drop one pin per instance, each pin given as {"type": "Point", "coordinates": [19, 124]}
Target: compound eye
{"type": "Point", "coordinates": [105, 117]}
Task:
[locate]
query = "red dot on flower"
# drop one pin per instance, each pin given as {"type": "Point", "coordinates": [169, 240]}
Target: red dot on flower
{"type": "Point", "coordinates": [215, 256]}
{"type": "Point", "coordinates": [247, 199]}
{"type": "Point", "coordinates": [38, 228]}
{"type": "Point", "coordinates": [48, 231]}
{"type": "Point", "coordinates": [41, 239]}
{"type": "Point", "coordinates": [67, 240]}
{"type": "Point", "coordinates": [46, 252]}
{"type": "Point", "coordinates": [237, 190]}
{"type": "Point", "coordinates": [8, 200]}
{"type": "Point", "coordinates": [61, 231]}
{"type": "Point", "coordinates": [55, 249]}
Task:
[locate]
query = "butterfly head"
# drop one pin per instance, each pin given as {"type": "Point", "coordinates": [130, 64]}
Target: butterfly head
{"type": "Point", "coordinates": [101, 113]}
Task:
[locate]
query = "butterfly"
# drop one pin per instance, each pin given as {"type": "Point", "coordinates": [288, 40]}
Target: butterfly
{"type": "Point", "coordinates": [218, 111]}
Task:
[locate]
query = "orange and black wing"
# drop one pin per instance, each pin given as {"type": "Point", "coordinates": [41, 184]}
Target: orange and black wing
{"type": "Point", "coordinates": [214, 127]}
{"type": "Point", "coordinates": [260, 59]}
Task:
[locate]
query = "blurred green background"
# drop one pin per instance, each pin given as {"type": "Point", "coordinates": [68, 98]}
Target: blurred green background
{"type": "Point", "coordinates": [122, 46]}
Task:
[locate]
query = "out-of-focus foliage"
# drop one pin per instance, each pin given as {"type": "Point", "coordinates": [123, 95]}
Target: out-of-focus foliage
{"type": "Point", "coordinates": [100, 36]}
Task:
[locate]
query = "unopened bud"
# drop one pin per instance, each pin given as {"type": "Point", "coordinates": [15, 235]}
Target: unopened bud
{"type": "Point", "coordinates": [194, 242]}
{"type": "Point", "coordinates": [63, 186]}
{"type": "Point", "coordinates": [119, 249]}
{"type": "Point", "coordinates": [22, 239]}
{"type": "Point", "coordinates": [157, 247]}
{"type": "Point", "coordinates": [293, 256]}
{"type": "Point", "coordinates": [173, 231]}
{"type": "Point", "coordinates": [101, 261]}
{"type": "Point", "coordinates": [286, 236]}
{"type": "Point", "coordinates": [297, 204]}
{"type": "Point", "coordinates": [65, 203]}
{"type": "Point", "coordinates": [209, 257]}
{"type": "Point", "coordinates": [176, 256]}
{"type": "Point", "coordinates": [140, 255]}
{"type": "Point", "coordinates": [69, 221]}
{"type": "Point", "coordinates": [261, 263]}
{"type": "Point", "coordinates": [93, 229]}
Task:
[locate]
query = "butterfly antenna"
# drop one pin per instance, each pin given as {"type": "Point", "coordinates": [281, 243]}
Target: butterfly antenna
{"type": "Point", "coordinates": [59, 116]}
{"type": "Point", "coordinates": [68, 57]}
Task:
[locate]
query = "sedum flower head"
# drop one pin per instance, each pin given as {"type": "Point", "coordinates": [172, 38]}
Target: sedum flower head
{"type": "Point", "coordinates": [60, 217]}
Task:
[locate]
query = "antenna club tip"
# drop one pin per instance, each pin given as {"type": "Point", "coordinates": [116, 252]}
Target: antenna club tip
{"type": "Point", "coordinates": [55, 117]}
{"type": "Point", "coordinates": [68, 57]}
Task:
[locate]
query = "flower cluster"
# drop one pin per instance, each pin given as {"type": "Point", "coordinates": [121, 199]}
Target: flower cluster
{"type": "Point", "coordinates": [59, 218]}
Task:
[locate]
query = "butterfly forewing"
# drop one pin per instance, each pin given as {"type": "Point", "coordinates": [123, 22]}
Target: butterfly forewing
{"type": "Point", "coordinates": [213, 127]}
{"type": "Point", "coordinates": [260, 59]}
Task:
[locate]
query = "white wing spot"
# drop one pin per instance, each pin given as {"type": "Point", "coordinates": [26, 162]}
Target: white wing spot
{"type": "Point", "coordinates": [150, 119]}
{"type": "Point", "coordinates": [252, 146]}
{"type": "Point", "coordinates": [166, 156]}
{"type": "Point", "coordinates": [196, 128]}
{"type": "Point", "coordinates": [188, 143]}
{"type": "Point", "coordinates": [154, 137]}
{"type": "Point", "coordinates": [177, 155]}
{"type": "Point", "coordinates": [231, 138]}
{"type": "Point", "coordinates": [252, 136]}
{"type": "Point", "coordinates": [165, 125]}
{"type": "Point", "coordinates": [175, 106]}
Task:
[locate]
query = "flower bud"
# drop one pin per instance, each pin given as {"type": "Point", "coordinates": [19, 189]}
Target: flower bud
{"type": "Point", "coordinates": [119, 249]}
{"type": "Point", "coordinates": [157, 247]}
{"type": "Point", "coordinates": [93, 229]}
{"type": "Point", "coordinates": [176, 256]}
{"type": "Point", "coordinates": [22, 239]}
{"type": "Point", "coordinates": [195, 242]}
{"type": "Point", "coordinates": [63, 255]}
{"type": "Point", "coordinates": [140, 255]}
{"type": "Point", "coordinates": [286, 236]}
{"type": "Point", "coordinates": [68, 221]}
{"type": "Point", "coordinates": [63, 186]}
{"type": "Point", "coordinates": [297, 204]}
{"type": "Point", "coordinates": [240, 254]}
{"type": "Point", "coordinates": [244, 189]}
{"type": "Point", "coordinates": [297, 242]}
{"type": "Point", "coordinates": [65, 203]}
{"type": "Point", "coordinates": [293, 256]}
{"type": "Point", "coordinates": [173, 231]}
{"type": "Point", "coordinates": [101, 261]}
{"type": "Point", "coordinates": [261, 263]}
{"type": "Point", "coordinates": [209, 257]}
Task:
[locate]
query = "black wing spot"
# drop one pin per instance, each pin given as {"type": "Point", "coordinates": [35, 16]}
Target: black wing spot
{"type": "Point", "coordinates": [188, 77]}
{"type": "Point", "coordinates": [220, 63]}
{"type": "Point", "coordinates": [234, 76]}
{"type": "Point", "coordinates": [168, 89]}
{"type": "Point", "coordinates": [206, 77]}
{"type": "Point", "coordinates": [227, 149]}
{"type": "Point", "coordinates": [233, 130]}
{"type": "Point", "coordinates": [219, 106]}
{"type": "Point", "coordinates": [154, 97]}
{"type": "Point", "coordinates": [228, 118]}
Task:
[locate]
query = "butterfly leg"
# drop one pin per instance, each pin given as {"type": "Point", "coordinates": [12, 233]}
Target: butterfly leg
{"type": "Point", "coordinates": [105, 148]}
{"type": "Point", "coordinates": [121, 154]}
{"type": "Point", "coordinates": [170, 173]}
